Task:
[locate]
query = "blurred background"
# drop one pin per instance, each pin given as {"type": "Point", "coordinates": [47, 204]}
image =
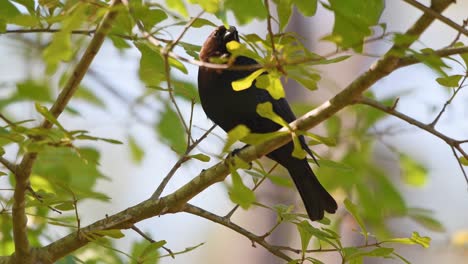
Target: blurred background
{"type": "Point", "coordinates": [114, 79]}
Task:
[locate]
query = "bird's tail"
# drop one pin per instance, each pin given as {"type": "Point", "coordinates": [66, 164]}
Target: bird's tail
{"type": "Point", "coordinates": [316, 199]}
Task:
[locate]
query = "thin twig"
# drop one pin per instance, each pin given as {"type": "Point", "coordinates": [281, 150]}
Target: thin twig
{"type": "Point", "coordinates": [192, 209]}
{"type": "Point", "coordinates": [455, 40]}
{"type": "Point", "coordinates": [149, 239]}
{"type": "Point", "coordinates": [8, 164]}
{"type": "Point", "coordinates": [433, 123]}
{"type": "Point", "coordinates": [167, 68]}
{"type": "Point", "coordinates": [427, 127]}
{"type": "Point", "coordinates": [177, 165]}
{"type": "Point", "coordinates": [438, 16]}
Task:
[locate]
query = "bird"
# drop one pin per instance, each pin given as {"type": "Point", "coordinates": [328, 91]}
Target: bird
{"type": "Point", "coordinates": [228, 108]}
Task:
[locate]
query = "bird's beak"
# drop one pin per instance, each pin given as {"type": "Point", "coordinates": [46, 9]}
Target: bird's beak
{"type": "Point", "coordinates": [231, 34]}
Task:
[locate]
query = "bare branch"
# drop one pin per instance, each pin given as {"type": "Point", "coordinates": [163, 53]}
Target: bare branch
{"type": "Point", "coordinates": [454, 144]}
{"type": "Point", "coordinates": [439, 16]}
{"type": "Point", "coordinates": [8, 164]}
{"type": "Point", "coordinates": [192, 209]}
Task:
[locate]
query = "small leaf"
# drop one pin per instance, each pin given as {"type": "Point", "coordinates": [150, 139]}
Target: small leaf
{"type": "Point", "coordinates": [463, 161]}
{"type": "Point", "coordinates": [239, 193]}
{"type": "Point", "coordinates": [353, 210]}
{"type": "Point", "coordinates": [210, 6]}
{"type": "Point", "coordinates": [284, 10]}
{"type": "Point", "coordinates": [179, 6]}
{"type": "Point", "coordinates": [171, 130]}
{"type": "Point", "coordinates": [201, 22]}
{"type": "Point", "coordinates": [246, 10]}
{"type": "Point", "coordinates": [114, 233]}
{"type": "Point", "coordinates": [449, 81]}
{"type": "Point", "coordinates": [415, 239]}
{"type": "Point", "coordinates": [151, 69]}
{"type": "Point", "coordinates": [246, 82]}
{"type": "Point", "coordinates": [298, 151]}
{"type": "Point", "coordinates": [239, 49]}
{"type": "Point", "coordinates": [306, 7]}
{"type": "Point", "coordinates": [234, 135]}
{"type": "Point", "coordinates": [135, 149]}
{"type": "Point", "coordinates": [428, 222]}
{"type": "Point", "coordinates": [48, 116]}
{"type": "Point", "coordinates": [304, 232]}
{"type": "Point", "coordinates": [413, 173]}
{"type": "Point", "coordinates": [334, 165]}
{"type": "Point", "coordinates": [200, 157]}
{"type": "Point", "coordinates": [65, 206]}
{"type": "Point", "coordinates": [272, 83]}
{"type": "Point", "coordinates": [153, 247]}
{"type": "Point", "coordinates": [266, 110]}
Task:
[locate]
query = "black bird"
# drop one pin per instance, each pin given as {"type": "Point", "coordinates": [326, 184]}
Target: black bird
{"type": "Point", "coordinates": [228, 108]}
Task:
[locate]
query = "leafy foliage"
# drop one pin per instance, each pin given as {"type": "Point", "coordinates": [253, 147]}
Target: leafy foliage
{"type": "Point", "coordinates": [67, 169]}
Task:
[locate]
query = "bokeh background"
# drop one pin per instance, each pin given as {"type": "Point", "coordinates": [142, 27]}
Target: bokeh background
{"type": "Point", "coordinates": [445, 191]}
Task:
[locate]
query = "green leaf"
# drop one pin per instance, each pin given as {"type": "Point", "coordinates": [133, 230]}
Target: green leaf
{"type": "Point", "coordinates": [60, 48]}
{"type": "Point", "coordinates": [179, 6]}
{"type": "Point", "coordinates": [298, 151]}
{"type": "Point", "coordinates": [65, 206]}
{"type": "Point", "coordinates": [415, 239]}
{"type": "Point", "coordinates": [246, 10]}
{"type": "Point", "coordinates": [246, 82]}
{"type": "Point", "coordinates": [210, 6]}
{"type": "Point", "coordinates": [428, 222]}
{"type": "Point", "coordinates": [88, 95]}
{"type": "Point", "coordinates": [413, 173]}
{"type": "Point", "coordinates": [284, 10]}
{"type": "Point", "coordinates": [239, 193]}
{"type": "Point", "coordinates": [200, 157]}
{"type": "Point", "coordinates": [432, 60]}
{"type": "Point", "coordinates": [8, 10]}
{"type": "Point", "coordinates": [449, 81]}
{"type": "Point", "coordinates": [48, 116]}
{"type": "Point", "coordinates": [353, 210]}
{"type": "Point", "coordinates": [151, 248]}
{"type": "Point", "coordinates": [304, 75]}
{"type": "Point", "coordinates": [136, 151]}
{"type": "Point", "coordinates": [272, 83]}
{"type": "Point", "coordinates": [304, 232]}
{"type": "Point", "coordinates": [464, 56]}
{"type": "Point", "coordinates": [234, 135]}
{"type": "Point", "coordinates": [201, 22]}
{"type": "Point", "coordinates": [334, 165]}
{"type": "Point", "coordinates": [463, 161]}
{"type": "Point", "coordinates": [266, 110]}
{"type": "Point", "coordinates": [171, 130]}
{"type": "Point", "coordinates": [377, 252]}
{"type": "Point", "coordinates": [353, 19]}
{"type": "Point", "coordinates": [149, 17]}
{"type": "Point", "coordinates": [32, 90]}
{"type": "Point", "coordinates": [306, 7]}
{"type": "Point", "coordinates": [151, 69]}
{"type": "Point", "coordinates": [240, 49]}
{"type": "Point", "coordinates": [114, 233]}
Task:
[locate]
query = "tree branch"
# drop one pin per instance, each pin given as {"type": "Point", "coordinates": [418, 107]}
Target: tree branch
{"type": "Point", "coordinates": [8, 164]}
{"type": "Point", "coordinates": [454, 144]}
{"type": "Point", "coordinates": [22, 247]}
{"type": "Point", "coordinates": [439, 16]}
{"type": "Point", "coordinates": [192, 209]}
